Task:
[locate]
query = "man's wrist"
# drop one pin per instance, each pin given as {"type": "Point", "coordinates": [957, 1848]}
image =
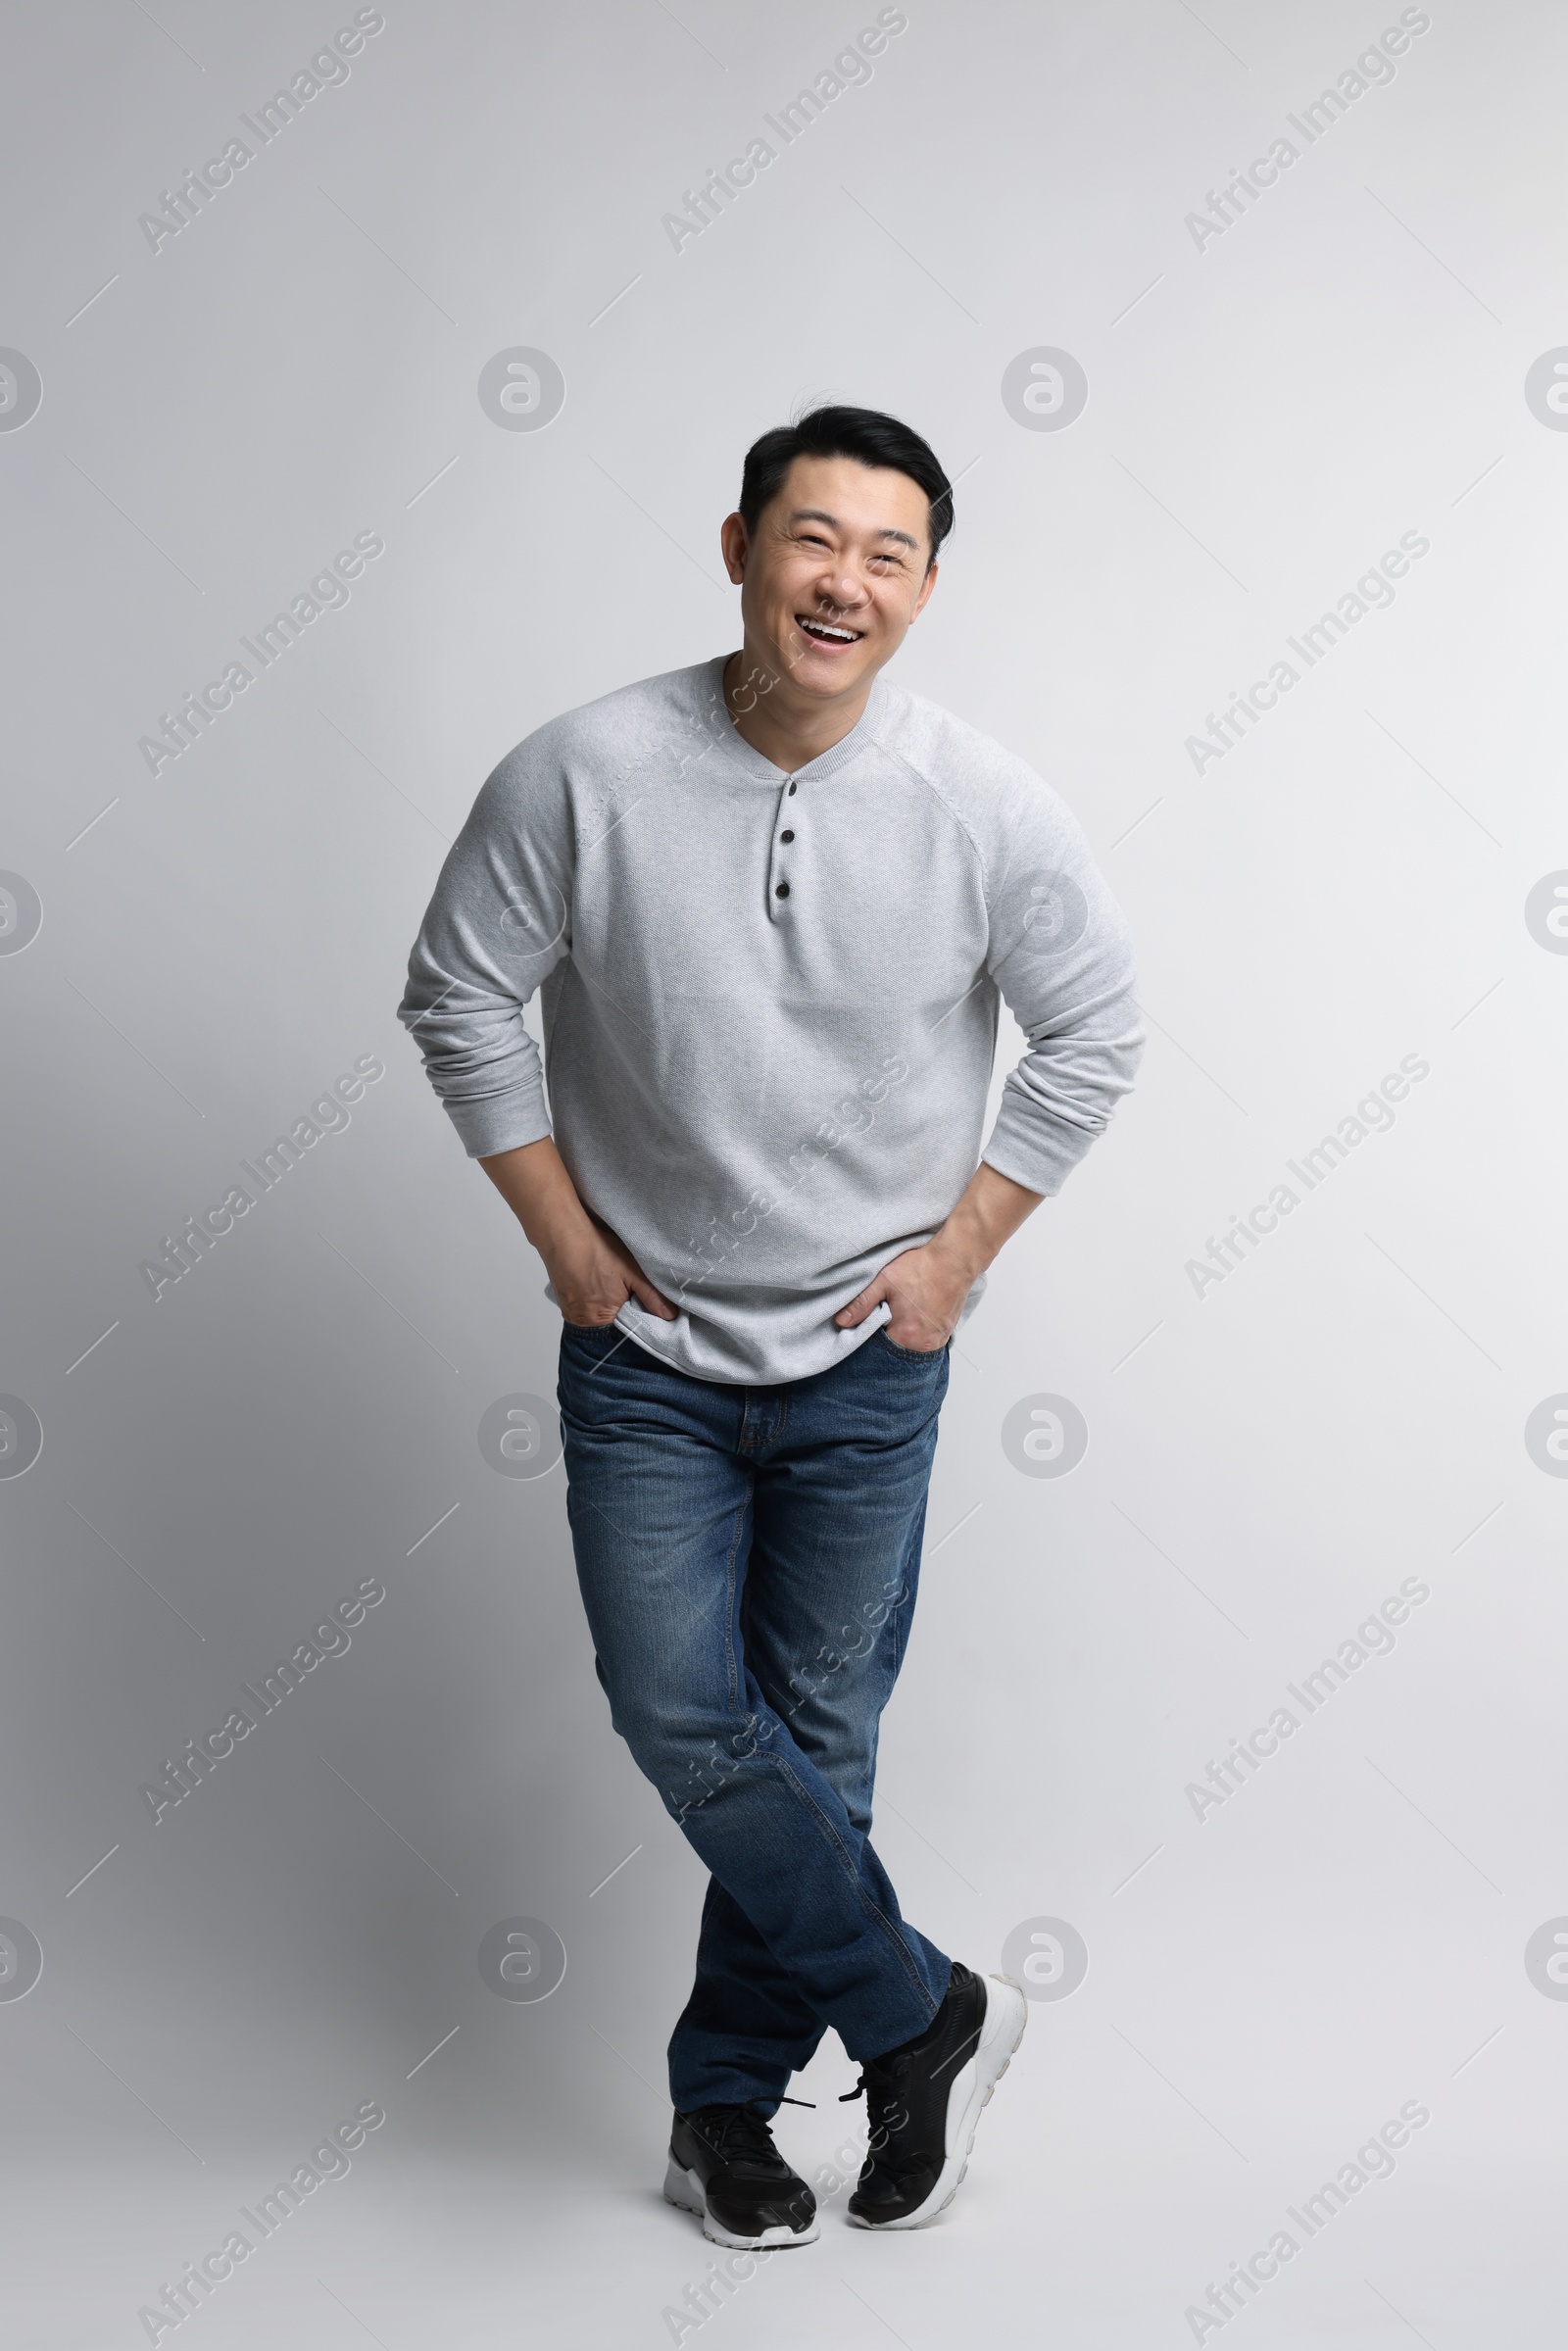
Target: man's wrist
{"type": "Point", "coordinates": [992, 1209]}
{"type": "Point", "coordinates": [958, 1247]}
{"type": "Point", "coordinates": [534, 1183]}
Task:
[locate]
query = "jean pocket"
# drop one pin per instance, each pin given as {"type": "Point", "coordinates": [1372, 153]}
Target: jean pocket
{"type": "Point", "coordinates": [591, 1333]}
{"type": "Point", "coordinates": [912, 1355]}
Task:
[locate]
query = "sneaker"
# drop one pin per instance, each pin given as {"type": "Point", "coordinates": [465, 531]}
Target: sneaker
{"type": "Point", "coordinates": [724, 2167]}
{"type": "Point", "coordinates": [923, 2101]}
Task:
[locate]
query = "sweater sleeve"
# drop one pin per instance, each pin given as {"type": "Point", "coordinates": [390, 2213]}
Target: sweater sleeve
{"type": "Point", "coordinates": [1061, 957]}
{"type": "Point", "coordinates": [499, 923]}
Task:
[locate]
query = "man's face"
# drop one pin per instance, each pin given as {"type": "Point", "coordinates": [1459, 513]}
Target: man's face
{"type": "Point", "coordinates": [834, 574]}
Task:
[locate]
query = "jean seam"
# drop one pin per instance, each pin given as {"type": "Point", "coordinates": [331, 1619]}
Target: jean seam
{"type": "Point", "coordinates": [732, 1663]}
{"type": "Point", "coordinates": [870, 1908]}
{"type": "Point", "coordinates": [908, 1581]}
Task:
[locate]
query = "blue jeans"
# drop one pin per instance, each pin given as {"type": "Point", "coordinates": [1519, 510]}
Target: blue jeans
{"type": "Point", "coordinates": [748, 1560]}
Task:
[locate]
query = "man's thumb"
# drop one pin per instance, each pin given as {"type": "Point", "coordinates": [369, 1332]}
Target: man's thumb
{"type": "Point", "coordinates": [859, 1307]}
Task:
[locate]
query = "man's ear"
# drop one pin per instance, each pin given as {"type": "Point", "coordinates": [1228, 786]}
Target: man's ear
{"type": "Point", "coordinates": [926, 586]}
{"type": "Point", "coordinates": [734, 545]}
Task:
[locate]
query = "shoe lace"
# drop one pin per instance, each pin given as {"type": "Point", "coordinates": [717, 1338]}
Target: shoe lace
{"type": "Point", "coordinates": [740, 2130]}
{"type": "Point", "coordinates": [886, 2112]}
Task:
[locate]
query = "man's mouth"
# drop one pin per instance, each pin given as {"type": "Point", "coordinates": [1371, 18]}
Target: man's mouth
{"type": "Point", "coordinates": [826, 633]}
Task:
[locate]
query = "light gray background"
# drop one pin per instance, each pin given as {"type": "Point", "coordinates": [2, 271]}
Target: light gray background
{"type": "Point", "coordinates": [1265, 1463]}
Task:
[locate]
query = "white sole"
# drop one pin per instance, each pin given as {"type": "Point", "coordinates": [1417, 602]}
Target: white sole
{"type": "Point", "coordinates": [685, 2189]}
{"type": "Point", "coordinates": [1000, 2031]}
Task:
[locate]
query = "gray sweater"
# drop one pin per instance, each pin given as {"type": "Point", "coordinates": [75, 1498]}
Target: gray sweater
{"type": "Point", "coordinates": [770, 1001]}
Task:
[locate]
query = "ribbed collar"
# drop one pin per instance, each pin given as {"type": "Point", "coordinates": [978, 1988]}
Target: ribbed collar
{"type": "Point", "coordinates": [752, 761]}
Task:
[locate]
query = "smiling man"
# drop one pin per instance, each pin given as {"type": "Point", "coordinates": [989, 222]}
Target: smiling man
{"type": "Point", "coordinates": [773, 906]}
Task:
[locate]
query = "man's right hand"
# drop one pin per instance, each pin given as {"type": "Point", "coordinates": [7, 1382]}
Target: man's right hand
{"type": "Point", "coordinates": [591, 1270]}
{"type": "Point", "coordinates": [593, 1275]}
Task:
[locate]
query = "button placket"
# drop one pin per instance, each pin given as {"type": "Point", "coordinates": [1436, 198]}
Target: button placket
{"type": "Point", "coordinates": [778, 875]}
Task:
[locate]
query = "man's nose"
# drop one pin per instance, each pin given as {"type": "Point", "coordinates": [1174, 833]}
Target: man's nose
{"type": "Point", "coordinates": [842, 589]}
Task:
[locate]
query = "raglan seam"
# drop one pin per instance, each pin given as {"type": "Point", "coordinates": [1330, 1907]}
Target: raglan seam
{"type": "Point", "coordinates": [961, 821]}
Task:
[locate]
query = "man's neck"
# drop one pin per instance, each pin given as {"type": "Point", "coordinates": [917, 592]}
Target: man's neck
{"type": "Point", "coordinates": [786, 728]}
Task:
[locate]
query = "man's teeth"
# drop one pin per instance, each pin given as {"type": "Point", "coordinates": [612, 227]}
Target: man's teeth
{"type": "Point", "coordinates": [823, 628]}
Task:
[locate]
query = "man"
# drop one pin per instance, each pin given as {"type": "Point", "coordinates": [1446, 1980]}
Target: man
{"type": "Point", "coordinates": [772, 903]}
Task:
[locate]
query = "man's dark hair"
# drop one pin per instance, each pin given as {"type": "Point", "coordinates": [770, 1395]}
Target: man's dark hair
{"type": "Point", "coordinates": [862, 434]}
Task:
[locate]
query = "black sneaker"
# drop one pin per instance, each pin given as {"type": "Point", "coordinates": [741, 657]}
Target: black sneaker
{"type": "Point", "coordinates": [724, 2167]}
{"type": "Point", "coordinates": [923, 2101]}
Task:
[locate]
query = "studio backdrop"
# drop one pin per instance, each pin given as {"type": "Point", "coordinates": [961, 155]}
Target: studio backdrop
{"type": "Point", "coordinates": [372, 389]}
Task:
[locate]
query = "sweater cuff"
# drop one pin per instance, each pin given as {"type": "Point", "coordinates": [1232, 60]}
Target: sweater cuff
{"type": "Point", "coordinates": [501, 1122]}
{"type": "Point", "coordinates": [1039, 1156]}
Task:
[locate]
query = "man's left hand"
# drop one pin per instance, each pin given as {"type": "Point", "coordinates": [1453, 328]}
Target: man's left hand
{"type": "Point", "coordinates": [926, 1288]}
